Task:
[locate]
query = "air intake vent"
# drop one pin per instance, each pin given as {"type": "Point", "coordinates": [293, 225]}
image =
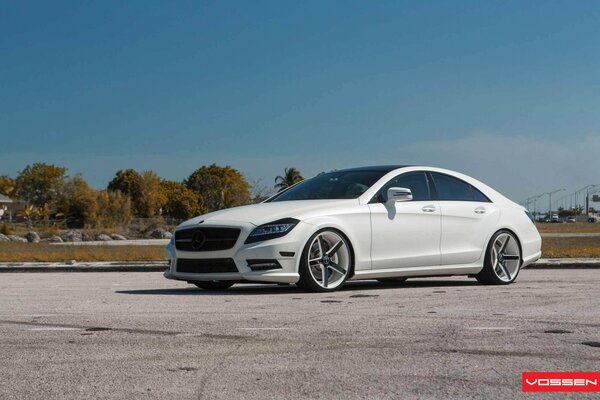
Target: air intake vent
{"type": "Point", "coordinates": [206, 265]}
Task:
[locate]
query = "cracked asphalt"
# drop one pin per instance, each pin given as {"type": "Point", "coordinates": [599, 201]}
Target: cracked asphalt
{"type": "Point", "coordinates": [137, 335]}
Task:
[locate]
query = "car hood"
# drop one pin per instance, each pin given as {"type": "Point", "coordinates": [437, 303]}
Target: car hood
{"type": "Point", "coordinates": [262, 213]}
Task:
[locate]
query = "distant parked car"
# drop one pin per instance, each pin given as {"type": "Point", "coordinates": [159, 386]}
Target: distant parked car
{"type": "Point", "coordinates": [554, 218]}
{"type": "Point", "coordinates": [591, 220]}
{"type": "Point", "coordinates": [571, 219]}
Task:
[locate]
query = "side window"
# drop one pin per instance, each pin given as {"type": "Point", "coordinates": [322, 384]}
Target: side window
{"type": "Point", "coordinates": [451, 188]}
{"type": "Point", "coordinates": [415, 181]}
{"type": "Point", "coordinates": [478, 196]}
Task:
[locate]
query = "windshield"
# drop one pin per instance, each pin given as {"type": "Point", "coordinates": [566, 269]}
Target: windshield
{"type": "Point", "coordinates": [333, 185]}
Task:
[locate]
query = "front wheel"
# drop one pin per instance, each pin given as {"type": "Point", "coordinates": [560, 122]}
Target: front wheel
{"type": "Point", "coordinates": [326, 261]}
{"type": "Point", "coordinates": [502, 260]}
{"type": "Point", "coordinates": [214, 285]}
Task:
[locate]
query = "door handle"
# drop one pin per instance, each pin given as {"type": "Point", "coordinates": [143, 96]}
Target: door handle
{"type": "Point", "coordinates": [480, 210]}
{"type": "Point", "coordinates": [428, 208]}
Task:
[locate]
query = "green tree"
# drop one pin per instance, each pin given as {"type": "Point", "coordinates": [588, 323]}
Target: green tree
{"type": "Point", "coordinates": [78, 202]}
{"type": "Point", "coordinates": [259, 192]}
{"type": "Point", "coordinates": [290, 177]}
{"type": "Point", "coordinates": [46, 213]}
{"type": "Point", "coordinates": [114, 209]}
{"type": "Point", "coordinates": [127, 181]}
{"type": "Point", "coordinates": [219, 187]}
{"type": "Point", "coordinates": [143, 190]}
{"type": "Point", "coordinates": [178, 201]}
{"type": "Point", "coordinates": [148, 204]}
{"type": "Point", "coordinates": [40, 183]}
{"type": "Point", "coordinates": [7, 185]}
{"type": "Point", "coordinates": [562, 212]}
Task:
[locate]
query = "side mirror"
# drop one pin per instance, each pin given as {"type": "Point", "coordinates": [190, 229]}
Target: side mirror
{"type": "Point", "coordinates": [395, 194]}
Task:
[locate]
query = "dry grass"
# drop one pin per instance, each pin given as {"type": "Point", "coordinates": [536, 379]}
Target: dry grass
{"type": "Point", "coordinates": [578, 227]}
{"type": "Point", "coordinates": [22, 252]}
{"type": "Point", "coordinates": [585, 247]}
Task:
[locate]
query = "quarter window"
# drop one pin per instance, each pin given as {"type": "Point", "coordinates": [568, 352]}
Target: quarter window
{"type": "Point", "coordinates": [451, 188]}
{"type": "Point", "coordinates": [415, 181]}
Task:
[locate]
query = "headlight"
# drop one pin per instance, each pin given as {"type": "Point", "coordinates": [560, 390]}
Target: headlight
{"type": "Point", "coordinates": [272, 230]}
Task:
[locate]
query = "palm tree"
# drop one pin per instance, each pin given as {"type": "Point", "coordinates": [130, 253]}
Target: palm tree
{"type": "Point", "coordinates": [290, 177]}
{"type": "Point", "coordinates": [28, 214]}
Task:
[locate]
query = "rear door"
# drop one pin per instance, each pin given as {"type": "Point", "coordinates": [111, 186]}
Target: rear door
{"type": "Point", "coordinates": [467, 216]}
{"type": "Point", "coordinates": [407, 234]}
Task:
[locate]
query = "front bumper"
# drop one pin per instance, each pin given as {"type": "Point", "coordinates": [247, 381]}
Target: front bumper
{"type": "Point", "coordinates": [272, 249]}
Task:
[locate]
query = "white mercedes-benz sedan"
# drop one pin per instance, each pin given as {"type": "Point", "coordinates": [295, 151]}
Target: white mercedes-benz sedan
{"type": "Point", "coordinates": [387, 223]}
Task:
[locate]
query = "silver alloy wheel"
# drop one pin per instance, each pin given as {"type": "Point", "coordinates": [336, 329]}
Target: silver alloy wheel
{"type": "Point", "coordinates": [329, 259]}
{"type": "Point", "coordinates": [506, 257]}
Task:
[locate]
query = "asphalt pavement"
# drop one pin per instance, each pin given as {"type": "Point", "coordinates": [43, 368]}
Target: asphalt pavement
{"type": "Point", "coordinates": [118, 335]}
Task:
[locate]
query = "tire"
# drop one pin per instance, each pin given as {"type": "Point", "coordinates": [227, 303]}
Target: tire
{"type": "Point", "coordinates": [214, 285]}
{"type": "Point", "coordinates": [503, 260]}
{"type": "Point", "coordinates": [392, 280]}
{"type": "Point", "coordinates": [326, 261]}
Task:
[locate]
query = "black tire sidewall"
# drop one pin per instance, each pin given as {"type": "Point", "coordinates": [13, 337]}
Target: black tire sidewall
{"type": "Point", "coordinates": [488, 275]}
{"type": "Point", "coordinates": [306, 280]}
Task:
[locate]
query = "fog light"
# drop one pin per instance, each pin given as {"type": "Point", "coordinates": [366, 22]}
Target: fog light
{"type": "Point", "coordinates": [263, 265]}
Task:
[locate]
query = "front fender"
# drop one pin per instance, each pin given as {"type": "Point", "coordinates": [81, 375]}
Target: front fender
{"type": "Point", "coordinates": [356, 227]}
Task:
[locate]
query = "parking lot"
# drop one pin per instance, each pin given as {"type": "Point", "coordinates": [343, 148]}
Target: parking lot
{"type": "Point", "coordinates": [138, 335]}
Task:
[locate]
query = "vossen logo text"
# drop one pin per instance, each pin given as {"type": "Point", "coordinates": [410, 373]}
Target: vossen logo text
{"type": "Point", "coordinates": [560, 381]}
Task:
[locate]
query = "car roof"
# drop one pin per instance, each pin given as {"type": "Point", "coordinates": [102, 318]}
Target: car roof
{"type": "Point", "coordinates": [377, 168]}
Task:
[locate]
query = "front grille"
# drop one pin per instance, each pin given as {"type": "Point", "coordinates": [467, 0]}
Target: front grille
{"type": "Point", "coordinates": [206, 239]}
{"type": "Point", "coordinates": [206, 265]}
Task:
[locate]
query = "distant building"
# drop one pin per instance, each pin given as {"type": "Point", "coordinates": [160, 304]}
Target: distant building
{"type": "Point", "coordinates": [9, 207]}
{"type": "Point", "coordinates": [4, 202]}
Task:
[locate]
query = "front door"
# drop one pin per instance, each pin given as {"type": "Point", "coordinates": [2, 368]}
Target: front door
{"type": "Point", "coordinates": [406, 234]}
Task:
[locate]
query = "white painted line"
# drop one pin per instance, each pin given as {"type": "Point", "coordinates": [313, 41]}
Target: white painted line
{"type": "Point", "coordinates": [54, 328]}
{"type": "Point", "coordinates": [266, 329]}
{"type": "Point", "coordinates": [491, 328]}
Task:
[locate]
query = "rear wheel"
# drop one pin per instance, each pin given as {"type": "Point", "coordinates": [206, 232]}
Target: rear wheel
{"type": "Point", "coordinates": [214, 285]}
{"type": "Point", "coordinates": [326, 261]}
{"type": "Point", "coordinates": [502, 260]}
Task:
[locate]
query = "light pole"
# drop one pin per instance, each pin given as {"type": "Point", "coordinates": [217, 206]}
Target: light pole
{"type": "Point", "coordinates": [561, 201]}
{"type": "Point", "coordinates": [528, 201]}
{"type": "Point", "coordinates": [593, 192]}
{"type": "Point", "coordinates": [587, 199]}
{"type": "Point", "coordinates": [587, 189]}
{"type": "Point", "coordinates": [550, 200]}
{"type": "Point", "coordinates": [533, 199]}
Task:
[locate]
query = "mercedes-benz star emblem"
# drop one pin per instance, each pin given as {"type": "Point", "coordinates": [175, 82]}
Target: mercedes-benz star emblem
{"type": "Point", "coordinates": [198, 240]}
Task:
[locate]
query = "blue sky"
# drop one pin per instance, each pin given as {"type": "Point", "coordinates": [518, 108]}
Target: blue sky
{"type": "Point", "coordinates": [507, 91]}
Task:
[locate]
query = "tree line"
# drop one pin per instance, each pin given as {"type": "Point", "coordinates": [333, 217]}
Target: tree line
{"type": "Point", "coordinates": [51, 194]}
